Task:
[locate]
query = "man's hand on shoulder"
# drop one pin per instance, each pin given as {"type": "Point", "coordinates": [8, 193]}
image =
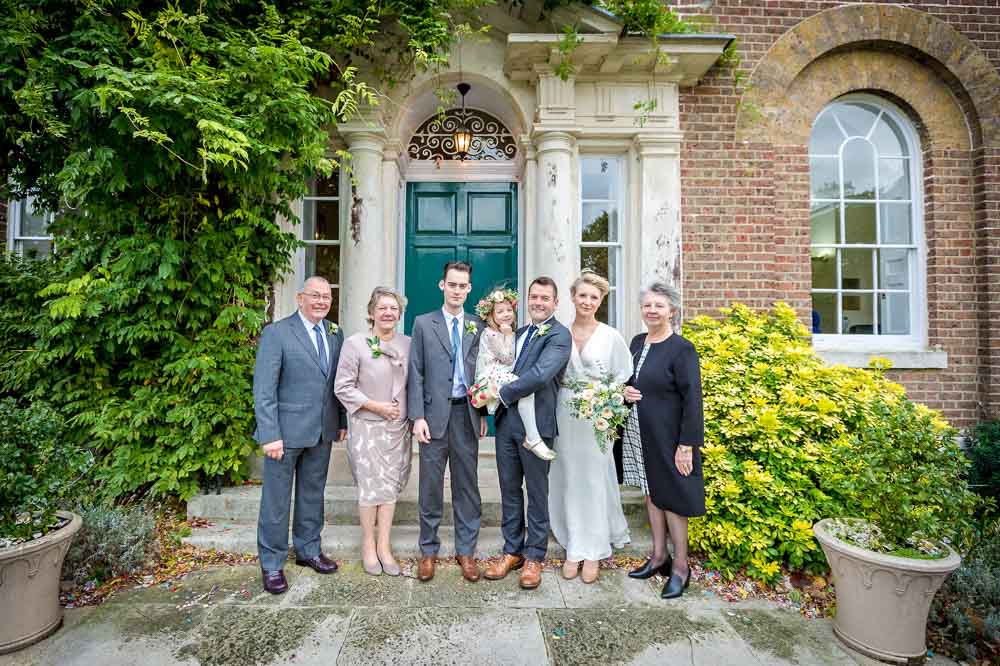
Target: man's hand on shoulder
{"type": "Point", "coordinates": [422, 431]}
{"type": "Point", "coordinates": [275, 449]}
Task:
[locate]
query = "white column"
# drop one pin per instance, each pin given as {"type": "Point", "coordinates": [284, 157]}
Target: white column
{"type": "Point", "coordinates": [529, 226]}
{"type": "Point", "coordinates": [390, 214]}
{"type": "Point", "coordinates": [554, 245]}
{"type": "Point", "coordinates": [659, 209]}
{"type": "Point", "coordinates": [287, 285]}
{"type": "Point", "coordinates": [363, 261]}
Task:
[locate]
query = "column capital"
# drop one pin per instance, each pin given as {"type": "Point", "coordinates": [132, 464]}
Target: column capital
{"type": "Point", "coordinates": [553, 140]}
{"type": "Point", "coordinates": [661, 144]}
{"type": "Point", "coordinates": [362, 137]}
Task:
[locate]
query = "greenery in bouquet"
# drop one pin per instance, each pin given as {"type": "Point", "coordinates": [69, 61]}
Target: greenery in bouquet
{"type": "Point", "coordinates": [39, 469]}
{"type": "Point", "coordinates": [603, 403]}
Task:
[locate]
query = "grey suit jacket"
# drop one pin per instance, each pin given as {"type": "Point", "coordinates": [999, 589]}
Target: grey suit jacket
{"type": "Point", "coordinates": [293, 401]}
{"type": "Point", "coordinates": [539, 370]}
{"type": "Point", "coordinates": [429, 382]}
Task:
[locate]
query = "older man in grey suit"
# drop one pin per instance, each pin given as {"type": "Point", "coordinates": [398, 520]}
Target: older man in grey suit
{"type": "Point", "coordinates": [443, 352]}
{"type": "Point", "coordinates": [298, 416]}
{"type": "Point", "coordinates": [542, 352]}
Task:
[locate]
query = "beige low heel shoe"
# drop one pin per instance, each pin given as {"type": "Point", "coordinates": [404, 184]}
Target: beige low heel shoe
{"type": "Point", "coordinates": [570, 569]}
{"type": "Point", "coordinates": [591, 570]}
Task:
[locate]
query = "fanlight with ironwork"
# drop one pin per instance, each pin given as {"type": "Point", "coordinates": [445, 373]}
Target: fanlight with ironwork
{"type": "Point", "coordinates": [435, 138]}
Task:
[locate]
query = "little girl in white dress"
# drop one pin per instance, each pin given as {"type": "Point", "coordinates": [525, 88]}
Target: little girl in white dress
{"type": "Point", "coordinates": [495, 365]}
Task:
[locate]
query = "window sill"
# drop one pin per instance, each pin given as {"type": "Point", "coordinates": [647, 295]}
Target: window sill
{"type": "Point", "coordinates": [925, 359]}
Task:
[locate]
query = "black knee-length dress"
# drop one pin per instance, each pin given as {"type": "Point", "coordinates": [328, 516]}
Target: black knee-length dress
{"type": "Point", "coordinates": [669, 414]}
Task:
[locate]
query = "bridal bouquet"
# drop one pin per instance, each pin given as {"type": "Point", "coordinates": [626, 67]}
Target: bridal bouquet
{"type": "Point", "coordinates": [603, 403]}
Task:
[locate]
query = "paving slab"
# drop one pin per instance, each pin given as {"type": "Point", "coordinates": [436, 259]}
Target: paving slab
{"type": "Point", "coordinates": [448, 588]}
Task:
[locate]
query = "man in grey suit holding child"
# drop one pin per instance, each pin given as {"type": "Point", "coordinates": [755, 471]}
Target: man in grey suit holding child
{"type": "Point", "coordinates": [297, 417]}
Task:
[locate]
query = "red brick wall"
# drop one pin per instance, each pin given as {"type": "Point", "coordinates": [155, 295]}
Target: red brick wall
{"type": "Point", "coordinates": [746, 211]}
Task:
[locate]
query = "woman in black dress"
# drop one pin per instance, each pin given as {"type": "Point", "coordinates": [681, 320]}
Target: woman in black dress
{"type": "Point", "coordinates": [663, 436]}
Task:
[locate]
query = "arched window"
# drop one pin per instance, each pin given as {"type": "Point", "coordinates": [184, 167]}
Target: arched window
{"type": "Point", "coordinates": [491, 140]}
{"type": "Point", "coordinates": [866, 224]}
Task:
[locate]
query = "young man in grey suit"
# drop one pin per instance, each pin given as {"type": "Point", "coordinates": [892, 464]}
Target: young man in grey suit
{"type": "Point", "coordinates": [443, 351]}
{"type": "Point", "coordinates": [542, 352]}
{"type": "Point", "coordinates": [297, 417]}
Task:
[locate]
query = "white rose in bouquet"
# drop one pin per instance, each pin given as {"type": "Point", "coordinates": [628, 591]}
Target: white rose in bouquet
{"type": "Point", "coordinates": [606, 413]}
{"type": "Point", "coordinates": [601, 424]}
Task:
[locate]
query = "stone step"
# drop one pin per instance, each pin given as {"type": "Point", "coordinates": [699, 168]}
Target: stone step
{"type": "Point", "coordinates": [344, 541]}
{"type": "Point", "coordinates": [339, 473]}
{"type": "Point", "coordinates": [241, 505]}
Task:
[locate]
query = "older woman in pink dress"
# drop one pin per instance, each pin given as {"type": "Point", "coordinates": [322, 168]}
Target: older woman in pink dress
{"type": "Point", "coordinates": [371, 384]}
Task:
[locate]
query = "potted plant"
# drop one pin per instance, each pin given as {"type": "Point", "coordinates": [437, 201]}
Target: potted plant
{"type": "Point", "coordinates": [39, 467]}
{"type": "Point", "coordinates": [905, 479]}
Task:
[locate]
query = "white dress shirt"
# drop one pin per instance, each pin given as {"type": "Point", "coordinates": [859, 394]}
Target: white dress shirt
{"type": "Point", "coordinates": [311, 334]}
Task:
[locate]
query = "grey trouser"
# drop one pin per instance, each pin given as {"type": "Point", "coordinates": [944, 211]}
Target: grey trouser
{"type": "Point", "coordinates": [519, 467]}
{"type": "Point", "coordinates": [459, 450]}
{"type": "Point", "coordinates": [306, 470]}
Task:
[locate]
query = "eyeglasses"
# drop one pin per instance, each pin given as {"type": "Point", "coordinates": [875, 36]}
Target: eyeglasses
{"type": "Point", "coordinates": [322, 298]}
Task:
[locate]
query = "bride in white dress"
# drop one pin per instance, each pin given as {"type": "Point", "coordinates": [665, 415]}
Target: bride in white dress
{"type": "Point", "coordinates": [585, 508]}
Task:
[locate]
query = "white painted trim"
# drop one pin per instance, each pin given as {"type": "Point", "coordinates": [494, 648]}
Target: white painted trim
{"type": "Point", "coordinates": [901, 360]}
{"type": "Point", "coordinates": [457, 171]}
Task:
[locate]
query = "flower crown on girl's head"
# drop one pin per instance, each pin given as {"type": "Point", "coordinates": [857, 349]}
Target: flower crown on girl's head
{"type": "Point", "coordinates": [484, 308]}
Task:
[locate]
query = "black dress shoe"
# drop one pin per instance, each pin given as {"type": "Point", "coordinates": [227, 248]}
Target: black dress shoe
{"type": "Point", "coordinates": [319, 564]}
{"type": "Point", "coordinates": [675, 586]}
{"type": "Point", "coordinates": [274, 581]}
{"type": "Point", "coordinates": [647, 570]}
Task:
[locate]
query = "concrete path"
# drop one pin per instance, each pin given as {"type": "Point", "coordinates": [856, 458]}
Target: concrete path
{"type": "Point", "coordinates": [221, 616]}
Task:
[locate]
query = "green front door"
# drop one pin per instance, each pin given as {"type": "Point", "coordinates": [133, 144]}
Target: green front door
{"type": "Point", "coordinates": [473, 222]}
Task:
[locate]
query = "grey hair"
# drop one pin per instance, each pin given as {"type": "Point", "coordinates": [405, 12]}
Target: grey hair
{"type": "Point", "coordinates": [672, 294]}
{"type": "Point", "coordinates": [302, 285]}
{"type": "Point", "coordinates": [377, 295]}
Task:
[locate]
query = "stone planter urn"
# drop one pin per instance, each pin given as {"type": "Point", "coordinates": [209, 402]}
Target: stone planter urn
{"type": "Point", "coordinates": [882, 600]}
{"type": "Point", "coordinates": [29, 586]}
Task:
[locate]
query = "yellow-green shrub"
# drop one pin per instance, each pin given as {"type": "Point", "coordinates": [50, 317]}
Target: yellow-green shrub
{"type": "Point", "coordinates": [790, 440]}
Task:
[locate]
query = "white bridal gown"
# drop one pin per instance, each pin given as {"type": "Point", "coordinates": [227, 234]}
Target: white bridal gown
{"type": "Point", "coordinates": [585, 506]}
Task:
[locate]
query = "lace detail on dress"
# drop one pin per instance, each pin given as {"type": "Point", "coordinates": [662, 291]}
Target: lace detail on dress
{"type": "Point", "coordinates": [501, 347]}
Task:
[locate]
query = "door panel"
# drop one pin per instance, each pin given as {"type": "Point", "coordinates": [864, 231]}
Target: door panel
{"type": "Point", "coordinates": [474, 222]}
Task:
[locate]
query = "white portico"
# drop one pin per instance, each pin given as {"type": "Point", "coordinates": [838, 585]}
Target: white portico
{"type": "Point", "coordinates": [589, 167]}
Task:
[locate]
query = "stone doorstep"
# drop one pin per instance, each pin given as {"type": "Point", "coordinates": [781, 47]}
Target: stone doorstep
{"type": "Point", "coordinates": [241, 505]}
{"type": "Point", "coordinates": [344, 541]}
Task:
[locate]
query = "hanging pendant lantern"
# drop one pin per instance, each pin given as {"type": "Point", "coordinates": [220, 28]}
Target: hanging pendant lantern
{"type": "Point", "coordinates": [462, 135]}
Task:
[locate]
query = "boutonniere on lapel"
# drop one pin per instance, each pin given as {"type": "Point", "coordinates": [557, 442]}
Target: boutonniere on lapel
{"type": "Point", "coordinates": [471, 328]}
{"type": "Point", "coordinates": [373, 344]}
{"type": "Point", "coordinates": [332, 328]}
{"type": "Point", "coordinates": [543, 329]}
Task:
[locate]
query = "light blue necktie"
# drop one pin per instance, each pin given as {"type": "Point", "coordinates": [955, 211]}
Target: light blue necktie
{"type": "Point", "coordinates": [324, 362]}
{"type": "Point", "coordinates": [458, 375]}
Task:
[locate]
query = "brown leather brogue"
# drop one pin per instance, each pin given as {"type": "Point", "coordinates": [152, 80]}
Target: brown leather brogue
{"type": "Point", "coordinates": [470, 570]}
{"type": "Point", "coordinates": [531, 575]}
{"type": "Point", "coordinates": [500, 569]}
{"type": "Point", "coordinates": [426, 569]}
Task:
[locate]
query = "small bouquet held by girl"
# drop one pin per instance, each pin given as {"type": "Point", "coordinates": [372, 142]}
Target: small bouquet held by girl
{"type": "Point", "coordinates": [495, 366]}
{"type": "Point", "coordinates": [603, 403]}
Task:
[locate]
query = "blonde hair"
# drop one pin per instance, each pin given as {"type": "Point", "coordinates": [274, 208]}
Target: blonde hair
{"type": "Point", "coordinates": [491, 317]}
{"type": "Point", "coordinates": [594, 280]}
{"type": "Point", "coordinates": [377, 294]}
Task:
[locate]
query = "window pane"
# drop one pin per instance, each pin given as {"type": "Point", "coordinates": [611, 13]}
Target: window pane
{"type": "Point", "coordinates": [34, 249]}
{"type": "Point", "coordinates": [599, 178]}
{"type": "Point", "coordinates": [323, 260]}
{"type": "Point", "coordinates": [824, 313]}
{"type": "Point", "coordinates": [859, 223]}
{"type": "Point", "coordinates": [894, 269]}
{"type": "Point", "coordinates": [824, 177]}
{"type": "Point", "coordinates": [894, 314]}
{"type": "Point", "coordinates": [600, 223]}
{"type": "Point", "coordinates": [858, 314]}
{"type": "Point", "coordinates": [825, 219]}
{"type": "Point", "coordinates": [824, 268]}
{"type": "Point", "coordinates": [888, 138]}
{"type": "Point", "coordinates": [857, 118]}
{"type": "Point", "coordinates": [601, 260]}
{"type": "Point", "coordinates": [896, 224]}
{"type": "Point", "coordinates": [826, 137]}
{"type": "Point", "coordinates": [859, 170]}
{"type": "Point", "coordinates": [894, 179]}
{"type": "Point", "coordinates": [325, 187]}
{"type": "Point", "coordinates": [608, 306]}
{"type": "Point", "coordinates": [320, 220]}
{"type": "Point", "coordinates": [33, 223]}
{"type": "Point", "coordinates": [856, 269]}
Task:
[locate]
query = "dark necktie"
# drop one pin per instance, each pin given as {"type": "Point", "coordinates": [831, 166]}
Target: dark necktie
{"type": "Point", "coordinates": [324, 362]}
{"type": "Point", "coordinates": [527, 341]}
